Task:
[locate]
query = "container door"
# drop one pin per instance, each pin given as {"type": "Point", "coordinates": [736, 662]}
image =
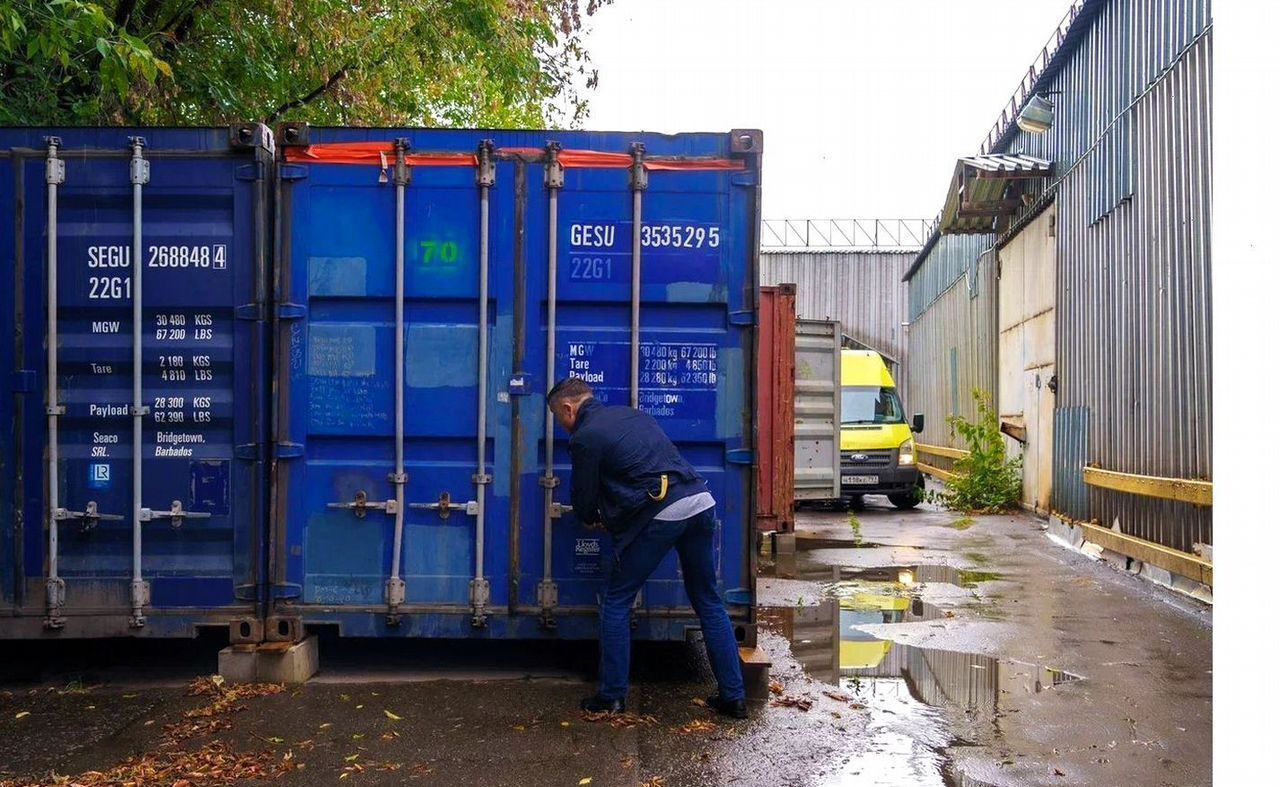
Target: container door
{"type": "Point", "coordinates": [9, 552]}
{"type": "Point", "coordinates": [696, 296]}
{"type": "Point", "coordinates": [191, 558]}
{"type": "Point", "coordinates": [817, 408]}
{"type": "Point", "coordinates": [350, 550]}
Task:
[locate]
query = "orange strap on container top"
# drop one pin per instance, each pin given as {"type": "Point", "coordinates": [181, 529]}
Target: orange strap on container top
{"type": "Point", "coordinates": [374, 153]}
{"type": "Point", "coordinates": [598, 159]}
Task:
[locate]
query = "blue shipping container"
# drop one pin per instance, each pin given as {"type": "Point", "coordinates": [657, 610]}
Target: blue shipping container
{"type": "Point", "coordinates": [83, 551]}
{"type": "Point", "coordinates": [422, 277]}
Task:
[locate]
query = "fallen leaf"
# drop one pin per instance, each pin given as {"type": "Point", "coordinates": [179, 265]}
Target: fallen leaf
{"type": "Point", "coordinates": [564, 724]}
{"type": "Point", "coordinates": [1057, 772]}
{"type": "Point", "coordinates": [518, 728]}
{"type": "Point", "coordinates": [352, 758]}
{"type": "Point", "coordinates": [358, 707]}
{"type": "Point", "coordinates": [218, 681]}
{"type": "Point", "coordinates": [628, 763]}
{"type": "Point", "coordinates": [698, 725]}
{"type": "Point", "coordinates": [803, 703]}
{"type": "Point", "coordinates": [22, 714]}
{"type": "Point", "coordinates": [344, 775]}
{"type": "Point", "coordinates": [326, 724]}
{"type": "Point", "coordinates": [837, 696]}
{"type": "Point", "coordinates": [775, 686]}
{"type": "Point", "coordinates": [275, 740]}
{"type": "Point", "coordinates": [656, 781]}
{"type": "Point", "coordinates": [344, 697]}
{"type": "Point", "coordinates": [391, 715]}
{"type": "Point", "coordinates": [131, 696]}
{"type": "Point", "coordinates": [357, 736]}
{"type": "Point", "coordinates": [584, 781]}
{"type": "Point", "coordinates": [701, 703]}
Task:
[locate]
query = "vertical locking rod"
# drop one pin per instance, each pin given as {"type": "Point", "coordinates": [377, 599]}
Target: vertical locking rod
{"type": "Point", "coordinates": [139, 174]}
{"type": "Point", "coordinates": [55, 587]}
{"type": "Point", "coordinates": [485, 175]}
{"type": "Point", "coordinates": [395, 585]}
{"type": "Point", "coordinates": [554, 181]}
{"type": "Point", "coordinates": [639, 182]}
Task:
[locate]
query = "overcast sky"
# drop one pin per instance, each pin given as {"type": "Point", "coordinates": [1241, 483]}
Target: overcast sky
{"type": "Point", "coordinates": [865, 104]}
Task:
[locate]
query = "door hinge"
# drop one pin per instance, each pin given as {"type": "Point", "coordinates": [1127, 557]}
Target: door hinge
{"type": "Point", "coordinates": [286, 450]}
{"type": "Point", "coordinates": [250, 592]}
{"type": "Point", "coordinates": [250, 451]}
{"type": "Point", "coordinates": [286, 590]}
{"type": "Point", "coordinates": [255, 171]}
{"type": "Point", "coordinates": [290, 311]}
{"type": "Point", "coordinates": [293, 171]}
{"type": "Point", "coordinates": [739, 596]}
{"type": "Point", "coordinates": [741, 456]}
{"type": "Point", "coordinates": [745, 317]}
{"type": "Point", "coordinates": [748, 178]}
{"type": "Point", "coordinates": [249, 311]}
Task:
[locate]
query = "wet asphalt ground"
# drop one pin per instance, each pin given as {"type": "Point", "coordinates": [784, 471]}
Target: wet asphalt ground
{"type": "Point", "coordinates": [915, 648]}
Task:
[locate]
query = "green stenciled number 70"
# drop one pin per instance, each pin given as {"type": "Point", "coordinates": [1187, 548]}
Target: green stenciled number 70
{"type": "Point", "coordinates": [437, 252]}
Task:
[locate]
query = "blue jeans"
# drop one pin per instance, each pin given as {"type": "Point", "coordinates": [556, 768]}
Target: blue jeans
{"type": "Point", "coordinates": [692, 539]}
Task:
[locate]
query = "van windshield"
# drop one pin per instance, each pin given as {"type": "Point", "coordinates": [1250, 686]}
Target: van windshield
{"type": "Point", "coordinates": [869, 404]}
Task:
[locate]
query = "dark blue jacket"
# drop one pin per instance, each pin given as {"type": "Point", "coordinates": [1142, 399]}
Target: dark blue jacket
{"type": "Point", "coordinates": [619, 457]}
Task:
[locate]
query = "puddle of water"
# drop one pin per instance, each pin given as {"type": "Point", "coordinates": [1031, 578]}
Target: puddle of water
{"type": "Point", "coordinates": [917, 697]}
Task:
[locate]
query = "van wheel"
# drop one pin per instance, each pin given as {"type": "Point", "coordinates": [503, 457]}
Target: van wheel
{"type": "Point", "coordinates": [905, 501]}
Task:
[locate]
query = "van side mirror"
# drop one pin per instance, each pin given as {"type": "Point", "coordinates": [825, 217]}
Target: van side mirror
{"type": "Point", "coordinates": [917, 423]}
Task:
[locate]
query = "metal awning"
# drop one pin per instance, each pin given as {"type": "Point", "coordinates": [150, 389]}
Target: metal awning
{"type": "Point", "coordinates": [986, 189]}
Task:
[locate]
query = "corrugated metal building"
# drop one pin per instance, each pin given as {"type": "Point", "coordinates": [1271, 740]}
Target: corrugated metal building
{"type": "Point", "coordinates": [862, 289]}
{"type": "Point", "coordinates": [1101, 260]}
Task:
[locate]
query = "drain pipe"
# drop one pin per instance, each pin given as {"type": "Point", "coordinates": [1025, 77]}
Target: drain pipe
{"type": "Point", "coordinates": [55, 589]}
{"type": "Point", "coordinates": [395, 585]}
{"type": "Point", "coordinates": [139, 590]}
{"type": "Point", "coordinates": [639, 182]}
{"type": "Point", "coordinates": [485, 177]}
{"type": "Point", "coordinates": [548, 593]}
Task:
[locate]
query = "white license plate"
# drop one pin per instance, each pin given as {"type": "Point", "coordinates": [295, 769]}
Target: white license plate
{"type": "Point", "coordinates": [860, 479]}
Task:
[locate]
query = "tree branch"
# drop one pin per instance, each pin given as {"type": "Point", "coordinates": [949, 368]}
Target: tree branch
{"type": "Point", "coordinates": [124, 11]}
{"type": "Point", "coordinates": [298, 103]}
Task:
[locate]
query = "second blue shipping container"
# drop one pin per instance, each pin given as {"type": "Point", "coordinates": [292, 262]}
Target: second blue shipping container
{"type": "Point", "coordinates": [431, 286]}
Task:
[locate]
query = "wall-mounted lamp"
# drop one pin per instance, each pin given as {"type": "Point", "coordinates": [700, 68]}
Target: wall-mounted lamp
{"type": "Point", "coordinates": [1037, 116]}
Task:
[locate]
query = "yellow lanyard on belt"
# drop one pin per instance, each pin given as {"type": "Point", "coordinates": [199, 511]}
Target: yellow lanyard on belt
{"type": "Point", "coordinates": [662, 490]}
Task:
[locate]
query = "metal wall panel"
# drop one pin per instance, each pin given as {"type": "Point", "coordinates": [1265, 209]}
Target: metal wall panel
{"type": "Point", "coordinates": [960, 324]}
{"type": "Point", "coordinates": [863, 290]}
{"type": "Point", "coordinates": [1134, 301]}
{"type": "Point", "coordinates": [949, 259]}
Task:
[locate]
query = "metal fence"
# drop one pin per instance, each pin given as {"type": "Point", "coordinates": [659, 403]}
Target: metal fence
{"type": "Point", "coordinates": [903, 234]}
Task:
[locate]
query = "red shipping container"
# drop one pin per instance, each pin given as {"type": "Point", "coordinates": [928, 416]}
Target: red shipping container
{"type": "Point", "coordinates": [775, 420]}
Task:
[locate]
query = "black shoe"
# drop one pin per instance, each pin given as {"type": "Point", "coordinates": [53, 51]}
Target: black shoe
{"type": "Point", "coordinates": [597, 704]}
{"type": "Point", "coordinates": [736, 709]}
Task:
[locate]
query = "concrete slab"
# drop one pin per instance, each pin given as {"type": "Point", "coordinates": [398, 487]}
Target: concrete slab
{"type": "Point", "coordinates": [271, 663]}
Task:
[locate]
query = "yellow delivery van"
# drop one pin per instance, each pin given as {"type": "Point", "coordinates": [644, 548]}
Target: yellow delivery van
{"type": "Point", "coordinates": [877, 451]}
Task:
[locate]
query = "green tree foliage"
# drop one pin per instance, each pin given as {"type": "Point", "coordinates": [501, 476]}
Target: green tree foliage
{"type": "Point", "coordinates": [504, 63]}
{"type": "Point", "coordinates": [986, 480]}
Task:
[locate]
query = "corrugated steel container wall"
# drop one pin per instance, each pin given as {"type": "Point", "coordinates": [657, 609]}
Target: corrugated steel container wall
{"type": "Point", "coordinates": [861, 289]}
{"type": "Point", "coordinates": [953, 337]}
{"type": "Point", "coordinates": [775, 410]}
{"type": "Point", "coordinates": [205, 241]}
{"type": "Point", "coordinates": [334, 551]}
{"type": "Point", "coordinates": [1134, 289]}
{"type": "Point", "coordinates": [1131, 146]}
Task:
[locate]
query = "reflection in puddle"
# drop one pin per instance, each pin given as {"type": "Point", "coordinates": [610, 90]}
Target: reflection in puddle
{"type": "Point", "coordinates": [914, 695]}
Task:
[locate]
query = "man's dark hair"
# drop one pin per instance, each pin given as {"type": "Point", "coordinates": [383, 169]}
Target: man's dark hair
{"type": "Point", "coordinates": [568, 388]}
